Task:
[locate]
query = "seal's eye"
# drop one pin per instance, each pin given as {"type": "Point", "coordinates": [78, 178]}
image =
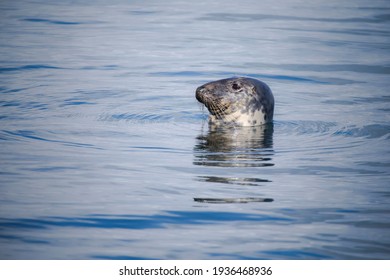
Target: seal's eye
{"type": "Point", "coordinates": [235, 86]}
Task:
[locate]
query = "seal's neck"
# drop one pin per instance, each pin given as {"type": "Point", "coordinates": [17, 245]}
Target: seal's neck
{"type": "Point", "coordinates": [239, 119]}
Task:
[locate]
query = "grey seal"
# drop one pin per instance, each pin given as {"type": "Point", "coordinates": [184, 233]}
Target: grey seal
{"type": "Point", "coordinates": [237, 101]}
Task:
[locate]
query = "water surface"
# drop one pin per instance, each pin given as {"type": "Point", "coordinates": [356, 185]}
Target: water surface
{"type": "Point", "coordinates": [106, 154]}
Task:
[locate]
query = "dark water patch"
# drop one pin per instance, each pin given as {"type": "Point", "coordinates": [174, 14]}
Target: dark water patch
{"type": "Point", "coordinates": [35, 105]}
{"type": "Point", "coordinates": [371, 224]}
{"type": "Point", "coordinates": [14, 90]}
{"type": "Point", "coordinates": [23, 239]}
{"type": "Point", "coordinates": [139, 222]}
{"type": "Point", "coordinates": [27, 134]}
{"type": "Point", "coordinates": [6, 136]}
{"type": "Point", "coordinates": [374, 163]}
{"type": "Point", "coordinates": [359, 32]}
{"type": "Point", "coordinates": [46, 223]}
{"type": "Point", "coordinates": [24, 105]}
{"type": "Point", "coordinates": [50, 21]}
{"type": "Point", "coordinates": [384, 99]}
{"type": "Point", "coordinates": [28, 67]}
{"type": "Point", "coordinates": [20, 224]}
{"type": "Point", "coordinates": [75, 102]}
{"type": "Point", "coordinates": [9, 103]}
{"type": "Point", "coordinates": [365, 8]}
{"type": "Point", "coordinates": [51, 169]}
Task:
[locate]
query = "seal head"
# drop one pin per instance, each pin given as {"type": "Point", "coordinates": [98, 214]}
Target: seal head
{"type": "Point", "coordinates": [237, 101]}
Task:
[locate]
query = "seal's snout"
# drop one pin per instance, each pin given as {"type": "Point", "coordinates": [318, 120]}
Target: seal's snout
{"type": "Point", "coordinates": [200, 91]}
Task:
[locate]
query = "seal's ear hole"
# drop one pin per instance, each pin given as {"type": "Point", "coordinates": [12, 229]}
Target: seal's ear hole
{"type": "Point", "coordinates": [236, 86]}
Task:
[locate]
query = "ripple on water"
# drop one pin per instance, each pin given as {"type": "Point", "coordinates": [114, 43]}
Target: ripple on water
{"type": "Point", "coordinates": [304, 127]}
{"type": "Point", "coordinates": [23, 135]}
{"type": "Point", "coordinates": [368, 131]}
{"type": "Point", "coordinates": [145, 117]}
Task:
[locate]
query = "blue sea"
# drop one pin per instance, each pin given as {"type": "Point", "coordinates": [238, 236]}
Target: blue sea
{"type": "Point", "coordinates": [106, 154]}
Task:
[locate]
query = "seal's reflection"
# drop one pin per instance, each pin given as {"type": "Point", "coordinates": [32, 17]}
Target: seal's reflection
{"type": "Point", "coordinates": [236, 147]}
